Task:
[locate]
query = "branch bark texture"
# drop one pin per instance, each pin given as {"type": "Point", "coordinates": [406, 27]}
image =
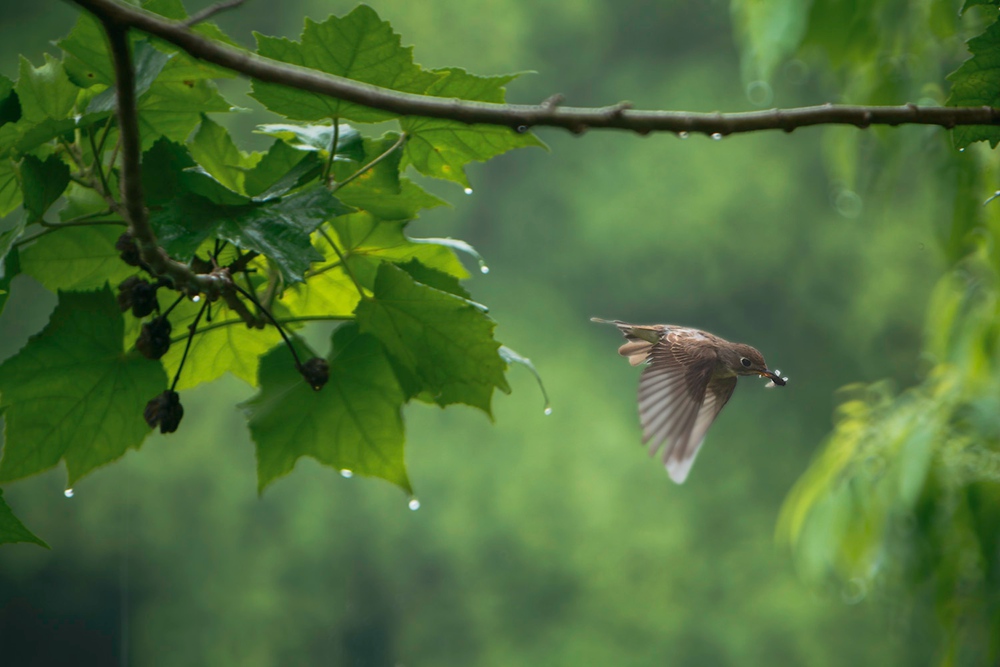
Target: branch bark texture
{"type": "Point", "coordinates": [523, 117]}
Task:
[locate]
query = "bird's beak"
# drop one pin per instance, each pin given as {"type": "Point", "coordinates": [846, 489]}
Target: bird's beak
{"type": "Point", "coordinates": [773, 377]}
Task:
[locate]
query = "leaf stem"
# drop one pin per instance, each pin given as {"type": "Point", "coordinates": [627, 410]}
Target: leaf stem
{"type": "Point", "coordinates": [172, 306]}
{"type": "Point", "coordinates": [333, 151]}
{"type": "Point", "coordinates": [190, 337]}
{"type": "Point", "coordinates": [267, 313]}
{"type": "Point", "coordinates": [98, 167]}
{"type": "Point", "coordinates": [399, 142]}
{"type": "Point", "coordinates": [284, 320]}
{"type": "Point", "coordinates": [343, 261]}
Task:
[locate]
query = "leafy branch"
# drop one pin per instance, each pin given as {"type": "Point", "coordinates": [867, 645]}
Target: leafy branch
{"type": "Point", "coordinates": [549, 113]}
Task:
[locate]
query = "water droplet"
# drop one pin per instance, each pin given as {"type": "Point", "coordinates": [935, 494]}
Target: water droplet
{"type": "Point", "coordinates": [468, 191]}
{"type": "Point", "coordinates": [759, 93]}
{"type": "Point", "coordinates": [848, 203]}
{"type": "Point", "coordinates": [483, 268]}
{"type": "Point", "coordinates": [716, 136]}
{"type": "Point", "coordinates": [961, 150]}
{"type": "Point", "coordinates": [548, 410]}
{"type": "Point", "coordinates": [855, 591]}
{"type": "Point", "coordinates": [521, 129]}
{"type": "Point", "coordinates": [68, 493]}
{"type": "Point", "coordinates": [683, 135]}
{"type": "Point", "coordinates": [346, 474]}
{"type": "Point", "coordinates": [196, 298]}
{"type": "Point", "coordinates": [414, 504]}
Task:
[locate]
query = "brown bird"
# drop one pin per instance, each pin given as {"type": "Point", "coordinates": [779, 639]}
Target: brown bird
{"type": "Point", "coordinates": [689, 377]}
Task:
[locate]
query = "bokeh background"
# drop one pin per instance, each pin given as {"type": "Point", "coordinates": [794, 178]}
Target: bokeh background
{"type": "Point", "coordinates": [540, 540]}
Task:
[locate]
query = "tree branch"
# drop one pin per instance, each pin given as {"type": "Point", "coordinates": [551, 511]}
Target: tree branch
{"type": "Point", "coordinates": [215, 284]}
{"type": "Point", "coordinates": [523, 117]}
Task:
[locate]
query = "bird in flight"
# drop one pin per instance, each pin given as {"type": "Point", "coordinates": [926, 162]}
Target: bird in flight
{"type": "Point", "coordinates": [689, 377]}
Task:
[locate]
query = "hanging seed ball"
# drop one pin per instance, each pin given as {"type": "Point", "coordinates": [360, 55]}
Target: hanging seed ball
{"type": "Point", "coordinates": [127, 250]}
{"type": "Point", "coordinates": [316, 372]}
{"type": "Point", "coordinates": [154, 339]}
{"type": "Point", "coordinates": [125, 292]}
{"type": "Point", "coordinates": [165, 410]}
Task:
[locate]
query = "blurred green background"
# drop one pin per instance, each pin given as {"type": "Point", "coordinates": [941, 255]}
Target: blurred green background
{"type": "Point", "coordinates": [540, 540]}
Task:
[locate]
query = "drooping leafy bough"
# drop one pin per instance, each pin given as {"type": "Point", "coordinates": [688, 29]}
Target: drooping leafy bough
{"type": "Point", "coordinates": [228, 253]}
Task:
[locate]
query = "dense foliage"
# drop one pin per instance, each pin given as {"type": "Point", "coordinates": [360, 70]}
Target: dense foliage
{"type": "Point", "coordinates": [311, 229]}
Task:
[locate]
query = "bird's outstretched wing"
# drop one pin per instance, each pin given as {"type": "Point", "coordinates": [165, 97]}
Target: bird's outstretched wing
{"type": "Point", "coordinates": [678, 398]}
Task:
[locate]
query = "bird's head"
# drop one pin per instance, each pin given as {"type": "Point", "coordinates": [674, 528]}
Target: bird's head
{"type": "Point", "coordinates": [745, 360]}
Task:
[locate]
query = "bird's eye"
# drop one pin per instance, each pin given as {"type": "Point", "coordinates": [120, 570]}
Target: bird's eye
{"type": "Point", "coordinates": [745, 362]}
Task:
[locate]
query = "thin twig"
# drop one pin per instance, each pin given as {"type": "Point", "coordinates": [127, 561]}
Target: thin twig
{"type": "Point", "coordinates": [209, 12]}
{"type": "Point", "coordinates": [525, 117]}
{"type": "Point", "coordinates": [98, 167]}
{"type": "Point", "coordinates": [265, 311]}
{"type": "Point", "coordinates": [343, 260]}
{"type": "Point", "coordinates": [399, 142]}
{"type": "Point", "coordinates": [190, 337]}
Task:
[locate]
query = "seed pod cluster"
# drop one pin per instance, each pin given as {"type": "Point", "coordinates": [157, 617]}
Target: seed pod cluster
{"type": "Point", "coordinates": [154, 339]}
{"type": "Point", "coordinates": [127, 250]}
{"type": "Point", "coordinates": [137, 294]}
{"type": "Point", "coordinates": [316, 371]}
{"type": "Point", "coordinates": [164, 410]}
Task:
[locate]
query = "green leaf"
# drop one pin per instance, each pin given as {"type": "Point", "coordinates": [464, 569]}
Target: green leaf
{"type": "Point", "coordinates": [433, 278]}
{"type": "Point", "coordinates": [163, 165]}
{"type": "Point", "coordinates": [368, 240]}
{"type": "Point", "coordinates": [384, 176]}
{"type": "Point", "coordinates": [71, 393]}
{"type": "Point", "coordinates": [973, 3]}
{"type": "Point", "coordinates": [318, 138]}
{"type": "Point", "coordinates": [87, 62]}
{"type": "Point", "coordinates": [234, 348]}
{"type": "Point", "coordinates": [512, 357]}
{"type": "Point", "coordinates": [441, 148]}
{"type": "Point", "coordinates": [977, 83]}
{"type": "Point", "coordinates": [447, 341]}
{"type": "Point", "coordinates": [172, 109]}
{"type": "Point", "coordinates": [76, 258]}
{"type": "Point", "coordinates": [370, 196]}
{"type": "Point", "coordinates": [359, 46]}
{"type": "Point", "coordinates": [354, 423]}
{"type": "Point", "coordinates": [148, 63]}
{"type": "Point", "coordinates": [43, 183]}
{"type": "Point", "coordinates": [45, 92]}
{"type": "Point", "coordinates": [280, 169]}
{"type": "Point", "coordinates": [278, 229]}
{"type": "Point", "coordinates": [214, 150]}
{"type": "Point", "coordinates": [12, 530]}
{"type": "Point", "coordinates": [10, 187]}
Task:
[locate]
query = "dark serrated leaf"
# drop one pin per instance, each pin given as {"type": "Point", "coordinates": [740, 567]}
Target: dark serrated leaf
{"type": "Point", "coordinates": [977, 83]}
{"type": "Point", "coordinates": [42, 183]}
{"type": "Point", "coordinates": [353, 423]}
{"type": "Point", "coordinates": [10, 106]}
{"type": "Point", "coordinates": [447, 341]}
{"type": "Point", "coordinates": [434, 278]}
{"type": "Point", "coordinates": [11, 528]}
{"type": "Point", "coordinates": [10, 266]}
{"type": "Point", "coordinates": [441, 148]}
{"type": "Point", "coordinates": [280, 170]}
{"type": "Point", "coordinates": [358, 46]}
{"type": "Point", "coordinates": [72, 393]}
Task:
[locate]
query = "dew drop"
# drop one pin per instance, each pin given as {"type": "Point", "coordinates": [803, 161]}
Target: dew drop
{"type": "Point", "coordinates": [683, 135]}
{"type": "Point", "coordinates": [759, 93]}
{"type": "Point", "coordinates": [346, 474]}
{"type": "Point", "coordinates": [196, 298]}
{"type": "Point", "coordinates": [68, 493]}
{"type": "Point", "coordinates": [548, 410]}
{"type": "Point", "coordinates": [483, 268]}
{"type": "Point", "coordinates": [847, 203]}
{"type": "Point", "coordinates": [468, 191]}
{"type": "Point", "coordinates": [414, 504]}
{"type": "Point", "coordinates": [716, 136]}
{"type": "Point", "coordinates": [521, 129]}
{"type": "Point", "coordinates": [961, 150]}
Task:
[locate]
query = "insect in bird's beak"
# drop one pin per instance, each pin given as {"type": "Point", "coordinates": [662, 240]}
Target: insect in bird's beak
{"type": "Point", "coordinates": [775, 378]}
